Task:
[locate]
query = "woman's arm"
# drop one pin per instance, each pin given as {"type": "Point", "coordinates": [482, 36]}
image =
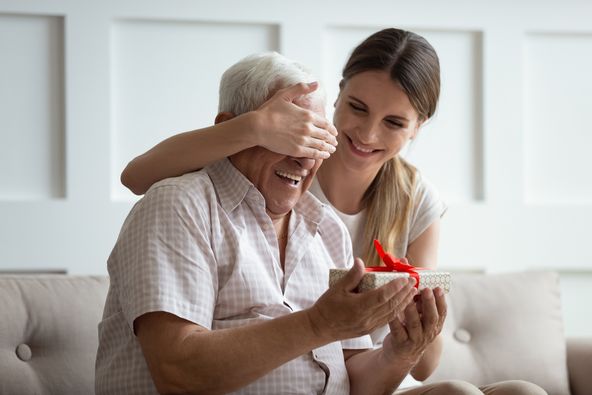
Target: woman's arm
{"type": "Point", "coordinates": [278, 125]}
{"type": "Point", "coordinates": [367, 373]}
{"type": "Point", "coordinates": [186, 152]}
{"type": "Point", "coordinates": [423, 252]}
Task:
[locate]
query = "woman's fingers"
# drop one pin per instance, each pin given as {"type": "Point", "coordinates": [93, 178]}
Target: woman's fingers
{"type": "Point", "coordinates": [329, 132]}
{"type": "Point", "coordinates": [398, 331]}
{"type": "Point", "coordinates": [413, 324]}
{"type": "Point", "coordinates": [322, 134]}
{"type": "Point", "coordinates": [296, 91]}
{"type": "Point", "coordinates": [319, 145]}
{"type": "Point", "coordinates": [312, 153]}
{"type": "Point", "coordinates": [441, 307]}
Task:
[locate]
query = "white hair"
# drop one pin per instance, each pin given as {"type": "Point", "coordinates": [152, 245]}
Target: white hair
{"type": "Point", "coordinates": [247, 84]}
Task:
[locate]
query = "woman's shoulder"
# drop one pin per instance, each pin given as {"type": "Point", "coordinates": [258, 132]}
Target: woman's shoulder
{"type": "Point", "coordinates": [425, 189]}
{"type": "Point", "coordinates": [427, 199]}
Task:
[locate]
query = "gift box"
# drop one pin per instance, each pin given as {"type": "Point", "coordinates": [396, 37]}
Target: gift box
{"type": "Point", "coordinates": [371, 280]}
{"type": "Point", "coordinates": [377, 276]}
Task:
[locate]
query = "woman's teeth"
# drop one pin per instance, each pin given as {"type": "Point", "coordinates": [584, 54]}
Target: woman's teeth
{"type": "Point", "coordinates": [365, 150]}
{"type": "Point", "coordinates": [293, 177]}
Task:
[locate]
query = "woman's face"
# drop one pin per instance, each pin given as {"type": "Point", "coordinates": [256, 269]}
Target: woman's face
{"type": "Point", "coordinates": [375, 120]}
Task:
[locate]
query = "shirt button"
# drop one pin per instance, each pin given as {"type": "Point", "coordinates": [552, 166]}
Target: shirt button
{"type": "Point", "coordinates": [462, 335]}
{"type": "Point", "coordinates": [23, 352]}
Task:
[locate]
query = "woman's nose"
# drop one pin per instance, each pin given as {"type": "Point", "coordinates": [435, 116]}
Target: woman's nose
{"type": "Point", "coordinates": [368, 132]}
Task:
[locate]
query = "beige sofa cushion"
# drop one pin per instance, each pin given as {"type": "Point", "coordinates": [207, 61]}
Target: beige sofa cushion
{"type": "Point", "coordinates": [505, 326]}
{"type": "Point", "coordinates": [48, 333]}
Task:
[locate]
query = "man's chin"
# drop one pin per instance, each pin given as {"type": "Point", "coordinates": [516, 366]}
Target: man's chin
{"type": "Point", "coordinates": [275, 210]}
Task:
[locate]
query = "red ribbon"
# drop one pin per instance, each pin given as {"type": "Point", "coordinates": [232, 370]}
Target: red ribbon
{"type": "Point", "coordinates": [393, 264]}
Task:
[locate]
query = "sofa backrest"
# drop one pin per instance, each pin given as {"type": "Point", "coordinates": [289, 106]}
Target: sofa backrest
{"type": "Point", "coordinates": [505, 326]}
{"type": "Point", "coordinates": [48, 333]}
{"type": "Point", "coordinates": [499, 327]}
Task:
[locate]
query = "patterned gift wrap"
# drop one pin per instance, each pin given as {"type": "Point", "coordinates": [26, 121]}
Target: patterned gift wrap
{"type": "Point", "coordinates": [372, 280]}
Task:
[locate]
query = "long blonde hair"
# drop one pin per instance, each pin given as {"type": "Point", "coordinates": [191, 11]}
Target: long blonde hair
{"type": "Point", "coordinates": [389, 204]}
{"type": "Point", "coordinates": [413, 64]}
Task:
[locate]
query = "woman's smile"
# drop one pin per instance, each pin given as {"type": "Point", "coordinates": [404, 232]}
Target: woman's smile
{"type": "Point", "coordinates": [360, 149]}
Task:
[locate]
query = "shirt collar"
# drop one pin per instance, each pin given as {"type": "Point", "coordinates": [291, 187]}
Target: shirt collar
{"type": "Point", "coordinates": [231, 185]}
{"type": "Point", "coordinates": [310, 208]}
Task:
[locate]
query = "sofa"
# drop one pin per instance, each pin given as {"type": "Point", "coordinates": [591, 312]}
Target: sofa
{"type": "Point", "coordinates": [499, 327]}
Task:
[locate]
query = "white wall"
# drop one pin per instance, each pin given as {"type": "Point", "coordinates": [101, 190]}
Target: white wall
{"type": "Point", "coordinates": [86, 85]}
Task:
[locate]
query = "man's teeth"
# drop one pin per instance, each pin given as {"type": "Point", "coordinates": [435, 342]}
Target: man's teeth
{"type": "Point", "coordinates": [292, 177]}
{"type": "Point", "coordinates": [362, 149]}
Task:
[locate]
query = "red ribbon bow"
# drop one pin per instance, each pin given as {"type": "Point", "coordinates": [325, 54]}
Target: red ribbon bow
{"type": "Point", "coordinates": [393, 264]}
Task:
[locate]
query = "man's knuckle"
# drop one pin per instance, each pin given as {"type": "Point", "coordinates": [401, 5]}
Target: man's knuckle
{"type": "Point", "coordinates": [382, 298]}
{"type": "Point", "coordinates": [301, 139]}
{"type": "Point", "coordinates": [432, 322]}
{"type": "Point", "coordinates": [414, 324]}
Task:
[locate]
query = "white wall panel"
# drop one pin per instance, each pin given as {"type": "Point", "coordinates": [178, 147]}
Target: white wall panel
{"type": "Point", "coordinates": [32, 107]}
{"type": "Point", "coordinates": [558, 133]}
{"type": "Point", "coordinates": [165, 78]}
{"type": "Point", "coordinates": [449, 149]}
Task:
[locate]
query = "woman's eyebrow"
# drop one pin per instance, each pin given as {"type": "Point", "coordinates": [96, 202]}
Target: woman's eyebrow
{"type": "Point", "coordinates": [358, 100]}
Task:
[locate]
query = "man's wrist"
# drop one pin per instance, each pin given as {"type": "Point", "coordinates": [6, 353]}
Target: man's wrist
{"type": "Point", "coordinates": [315, 323]}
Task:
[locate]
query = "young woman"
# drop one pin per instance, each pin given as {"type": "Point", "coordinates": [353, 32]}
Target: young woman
{"type": "Point", "coordinates": [390, 88]}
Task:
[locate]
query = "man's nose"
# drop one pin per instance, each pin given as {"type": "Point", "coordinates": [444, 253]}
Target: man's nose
{"type": "Point", "coordinates": [305, 163]}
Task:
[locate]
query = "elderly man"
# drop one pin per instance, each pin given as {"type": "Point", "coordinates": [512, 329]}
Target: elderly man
{"type": "Point", "coordinates": [219, 277]}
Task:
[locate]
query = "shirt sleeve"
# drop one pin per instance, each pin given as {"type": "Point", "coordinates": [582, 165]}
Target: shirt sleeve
{"type": "Point", "coordinates": [428, 208]}
{"type": "Point", "coordinates": [357, 343]}
{"type": "Point", "coordinates": [164, 260]}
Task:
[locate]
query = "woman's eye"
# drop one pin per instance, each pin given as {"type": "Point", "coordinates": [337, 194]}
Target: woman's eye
{"type": "Point", "coordinates": [394, 124]}
{"type": "Point", "coordinates": [356, 107]}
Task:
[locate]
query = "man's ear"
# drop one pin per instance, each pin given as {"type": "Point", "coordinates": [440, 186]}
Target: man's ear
{"type": "Point", "coordinates": [223, 116]}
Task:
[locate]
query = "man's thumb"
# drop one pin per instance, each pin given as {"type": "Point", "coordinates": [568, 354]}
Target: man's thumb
{"type": "Point", "coordinates": [351, 280]}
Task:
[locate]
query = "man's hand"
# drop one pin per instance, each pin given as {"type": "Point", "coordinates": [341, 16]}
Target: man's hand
{"type": "Point", "coordinates": [340, 313]}
{"type": "Point", "coordinates": [416, 328]}
{"type": "Point", "coordinates": [286, 128]}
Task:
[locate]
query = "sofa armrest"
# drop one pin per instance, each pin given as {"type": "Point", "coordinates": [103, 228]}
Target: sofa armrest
{"type": "Point", "coordinates": [579, 361]}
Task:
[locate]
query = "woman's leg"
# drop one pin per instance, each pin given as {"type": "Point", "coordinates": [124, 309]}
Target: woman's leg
{"type": "Point", "coordinates": [449, 387]}
{"type": "Point", "coordinates": [513, 387]}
